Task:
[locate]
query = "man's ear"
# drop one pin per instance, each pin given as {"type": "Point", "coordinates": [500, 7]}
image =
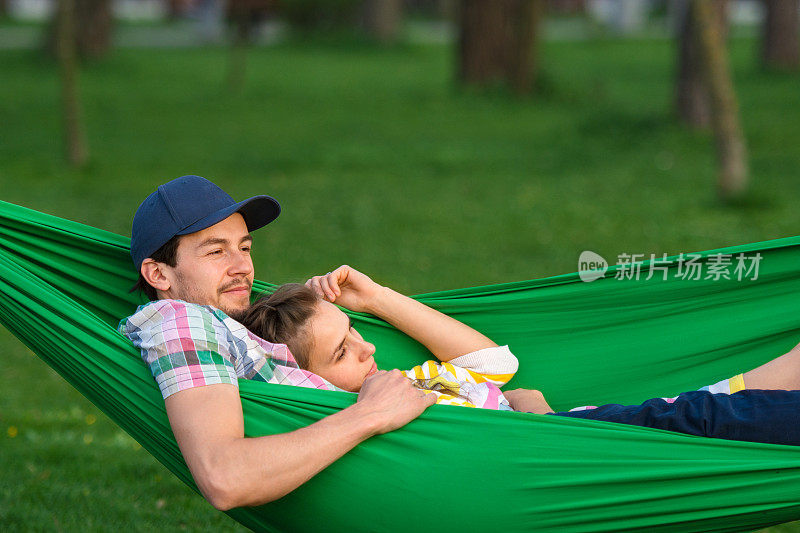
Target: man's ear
{"type": "Point", "coordinates": [153, 273]}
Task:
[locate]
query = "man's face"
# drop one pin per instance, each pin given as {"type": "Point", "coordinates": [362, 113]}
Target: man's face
{"type": "Point", "coordinates": [214, 267]}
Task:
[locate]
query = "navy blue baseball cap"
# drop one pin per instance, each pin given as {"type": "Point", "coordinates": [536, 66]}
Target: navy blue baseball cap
{"type": "Point", "coordinates": [189, 204]}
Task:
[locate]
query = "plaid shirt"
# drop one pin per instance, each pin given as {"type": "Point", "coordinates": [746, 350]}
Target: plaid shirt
{"type": "Point", "coordinates": [187, 345]}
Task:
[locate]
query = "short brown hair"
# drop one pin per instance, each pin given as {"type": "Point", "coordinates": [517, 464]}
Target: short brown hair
{"type": "Point", "coordinates": [168, 254]}
{"type": "Point", "coordinates": [282, 317]}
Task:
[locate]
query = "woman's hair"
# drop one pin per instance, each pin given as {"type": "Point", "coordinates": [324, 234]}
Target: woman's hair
{"type": "Point", "coordinates": [282, 317]}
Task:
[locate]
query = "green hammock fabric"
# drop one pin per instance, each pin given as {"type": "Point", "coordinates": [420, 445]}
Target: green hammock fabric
{"type": "Point", "coordinates": [63, 289]}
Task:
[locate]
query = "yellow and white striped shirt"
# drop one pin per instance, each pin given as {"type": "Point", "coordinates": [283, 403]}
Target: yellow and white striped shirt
{"type": "Point", "coordinates": [470, 380]}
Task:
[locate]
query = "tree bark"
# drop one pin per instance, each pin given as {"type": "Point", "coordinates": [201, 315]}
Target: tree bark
{"type": "Point", "coordinates": [691, 95]}
{"type": "Point", "coordinates": [92, 23]}
{"type": "Point", "coordinates": [74, 136]}
{"type": "Point", "coordinates": [448, 10]}
{"type": "Point", "coordinates": [383, 18]}
{"type": "Point", "coordinates": [523, 45]}
{"type": "Point", "coordinates": [498, 42]}
{"type": "Point", "coordinates": [780, 47]}
{"type": "Point", "coordinates": [731, 151]}
{"type": "Point", "coordinates": [244, 16]}
{"type": "Point", "coordinates": [570, 7]}
{"type": "Point", "coordinates": [175, 9]}
{"type": "Point", "coordinates": [237, 61]}
{"type": "Point", "coordinates": [480, 45]}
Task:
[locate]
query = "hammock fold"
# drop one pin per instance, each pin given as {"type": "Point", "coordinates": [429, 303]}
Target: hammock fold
{"type": "Point", "coordinates": [64, 288]}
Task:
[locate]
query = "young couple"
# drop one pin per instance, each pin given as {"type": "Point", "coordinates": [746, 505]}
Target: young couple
{"type": "Point", "coordinates": [191, 246]}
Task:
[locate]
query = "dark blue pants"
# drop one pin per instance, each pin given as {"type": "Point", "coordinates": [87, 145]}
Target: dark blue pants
{"type": "Point", "coordinates": [771, 416]}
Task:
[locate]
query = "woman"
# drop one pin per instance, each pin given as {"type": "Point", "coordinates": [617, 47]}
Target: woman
{"type": "Point", "coordinates": [470, 366]}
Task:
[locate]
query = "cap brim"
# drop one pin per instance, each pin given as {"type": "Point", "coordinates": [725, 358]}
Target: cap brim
{"type": "Point", "coordinates": [257, 211]}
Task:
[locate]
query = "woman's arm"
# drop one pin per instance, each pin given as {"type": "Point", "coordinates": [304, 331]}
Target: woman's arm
{"type": "Point", "coordinates": [444, 336]}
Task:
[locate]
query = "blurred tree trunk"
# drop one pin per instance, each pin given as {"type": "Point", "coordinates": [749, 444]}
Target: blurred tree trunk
{"type": "Point", "coordinates": [691, 95]}
{"type": "Point", "coordinates": [93, 25]}
{"type": "Point", "coordinates": [383, 18]}
{"type": "Point", "coordinates": [3, 7]}
{"type": "Point", "coordinates": [731, 151]}
{"type": "Point", "coordinates": [245, 17]}
{"type": "Point", "coordinates": [573, 7]}
{"type": "Point", "coordinates": [523, 53]}
{"type": "Point", "coordinates": [448, 10]}
{"type": "Point", "coordinates": [780, 46]}
{"type": "Point", "coordinates": [481, 43]}
{"type": "Point", "coordinates": [237, 61]}
{"type": "Point", "coordinates": [175, 9]}
{"type": "Point", "coordinates": [498, 42]}
{"type": "Point", "coordinates": [66, 49]}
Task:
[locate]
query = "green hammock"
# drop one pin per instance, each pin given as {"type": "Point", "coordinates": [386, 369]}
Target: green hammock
{"type": "Point", "coordinates": [63, 289]}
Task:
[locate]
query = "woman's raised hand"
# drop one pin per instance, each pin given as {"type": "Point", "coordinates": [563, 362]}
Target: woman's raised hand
{"type": "Point", "coordinates": [347, 287]}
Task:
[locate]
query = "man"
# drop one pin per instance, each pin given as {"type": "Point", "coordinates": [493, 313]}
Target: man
{"type": "Point", "coordinates": [191, 245]}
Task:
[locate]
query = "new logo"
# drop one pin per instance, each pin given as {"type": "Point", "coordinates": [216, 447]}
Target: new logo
{"type": "Point", "coordinates": [591, 266]}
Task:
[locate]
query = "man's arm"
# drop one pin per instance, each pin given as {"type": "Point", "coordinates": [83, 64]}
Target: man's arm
{"type": "Point", "coordinates": [233, 471]}
{"type": "Point", "coordinates": [444, 336]}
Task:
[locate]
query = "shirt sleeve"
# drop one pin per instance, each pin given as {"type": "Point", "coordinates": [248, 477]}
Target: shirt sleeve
{"type": "Point", "coordinates": [184, 345]}
{"type": "Point", "coordinates": [496, 364]}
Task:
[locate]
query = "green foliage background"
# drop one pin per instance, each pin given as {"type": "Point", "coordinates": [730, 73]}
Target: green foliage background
{"type": "Point", "coordinates": [381, 162]}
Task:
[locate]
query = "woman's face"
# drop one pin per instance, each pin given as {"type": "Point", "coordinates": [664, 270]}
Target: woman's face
{"type": "Point", "coordinates": [338, 353]}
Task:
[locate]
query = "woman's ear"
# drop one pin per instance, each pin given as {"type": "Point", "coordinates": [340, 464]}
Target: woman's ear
{"type": "Point", "coordinates": [153, 273]}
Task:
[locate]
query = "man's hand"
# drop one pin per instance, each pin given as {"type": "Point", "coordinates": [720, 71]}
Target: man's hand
{"type": "Point", "coordinates": [527, 400]}
{"type": "Point", "coordinates": [393, 400]}
{"type": "Point", "coordinates": [347, 287]}
{"type": "Point", "coordinates": [232, 470]}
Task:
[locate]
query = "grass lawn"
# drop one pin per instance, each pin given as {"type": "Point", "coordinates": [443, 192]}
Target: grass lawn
{"type": "Point", "coordinates": [380, 162]}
